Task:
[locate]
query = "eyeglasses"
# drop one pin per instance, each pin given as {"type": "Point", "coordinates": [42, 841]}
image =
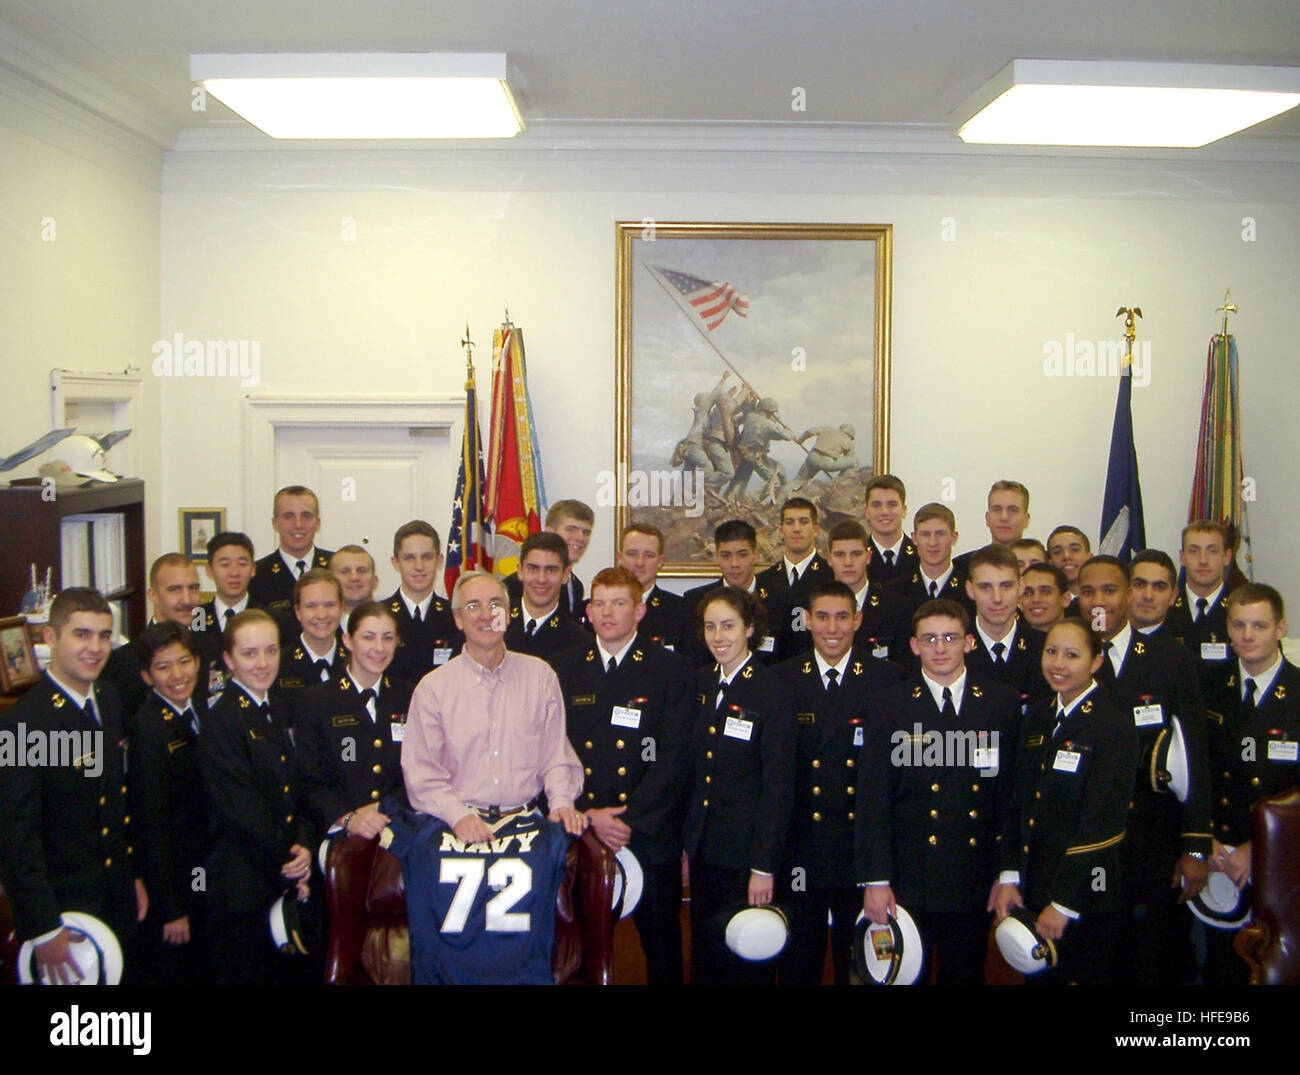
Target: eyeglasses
{"type": "Point", "coordinates": [950, 639]}
{"type": "Point", "coordinates": [494, 605]}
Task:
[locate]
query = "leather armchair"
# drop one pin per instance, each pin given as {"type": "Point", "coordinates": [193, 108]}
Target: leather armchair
{"type": "Point", "coordinates": [1270, 942]}
{"type": "Point", "coordinates": [369, 940]}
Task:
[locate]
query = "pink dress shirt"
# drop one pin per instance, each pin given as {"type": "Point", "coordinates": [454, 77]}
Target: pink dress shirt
{"type": "Point", "coordinates": [490, 737]}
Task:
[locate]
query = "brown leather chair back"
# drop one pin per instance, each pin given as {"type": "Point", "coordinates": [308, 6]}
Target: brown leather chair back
{"type": "Point", "coordinates": [1271, 942]}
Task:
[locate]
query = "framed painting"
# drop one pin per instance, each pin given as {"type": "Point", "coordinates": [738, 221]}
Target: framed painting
{"type": "Point", "coordinates": [18, 666]}
{"type": "Point", "coordinates": [753, 366]}
{"type": "Point", "coordinates": [198, 527]}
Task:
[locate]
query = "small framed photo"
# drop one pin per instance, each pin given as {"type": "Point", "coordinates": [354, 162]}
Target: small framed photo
{"type": "Point", "coordinates": [198, 527]}
{"type": "Point", "coordinates": [18, 667]}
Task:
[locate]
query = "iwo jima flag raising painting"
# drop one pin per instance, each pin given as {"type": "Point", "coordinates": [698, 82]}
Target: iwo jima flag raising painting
{"type": "Point", "coordinates": [753, 366]}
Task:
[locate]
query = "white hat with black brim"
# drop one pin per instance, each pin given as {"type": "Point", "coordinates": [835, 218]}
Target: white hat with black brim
{"type": "Point", "coordinates": [756, 934]}
{"type": "Point", "coordinates": [1221, 904]}
{"type": "Point", "coordinates": [1022, 946]}
{"type": "Point", "coordinates": [890, 953]}
{"type": "Point", "coordinates": [629, 880]}
{"type": "Point", "coordinates": [1170, 770]}
{"type": "Point", "coordinates": [286, 925]}
{"type": "Point", "coordinates": [94, 947]}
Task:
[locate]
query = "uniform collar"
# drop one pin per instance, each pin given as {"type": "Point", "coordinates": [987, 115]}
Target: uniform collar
{"type": "Point", "coordinates": [80, 699]}
{"type": "Point", "coordinates": [291, 562]}
{"type": "Point", "coordinates": [605, 655]}
{"type": "Point", "coordinates": [411, 604]}
{"type": "Point", "coordinates": [957, 687]}
{"type": "Point", "coordinates": [1263, 681]}
{"type": "Point", "coordinates": [1007, 640]}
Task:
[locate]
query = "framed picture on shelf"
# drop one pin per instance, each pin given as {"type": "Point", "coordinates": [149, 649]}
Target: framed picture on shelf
{"type": "Point", "coordinates": [753, 365]}
{"type": "Point", "coordinates": [198, 527]}
{"type": "Point", "coordinates": [18, 667]}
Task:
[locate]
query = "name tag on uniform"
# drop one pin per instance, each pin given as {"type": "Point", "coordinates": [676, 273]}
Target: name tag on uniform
{"type": "Point", "coordinates": [1144, 716]}
{"type": "Point", "coordinates": [805, 718]}
{"type": "Point", "coordinates": [625, 717]}
{"type": "Point", "coordinates": [588, 699]}
{"type": "Point", "coordinates": [177, 744]}
{"type": "Point", "coordinates": [1281, 750]}
{"type": "Point", "coordinates": [347, 720]}
{"type": "Point", "coordinates": [766, 645]}
{"type": "Point", "coordinates": [441, 655]}
{"type": "Point", "coordinates": [738, 729]}
{"type": "Point", "coordinates": [857, 737]}
{"type": "Point", "coordinates": [397, 730]}
{"type": "Point", "coordinates": [880, 651]}
{"type": "Point", "coordinates": [1067, 761]}
{"type": "Point", "coordinates": [987, 758]}
{"type": "Point", "coordinates": [1214, 651]}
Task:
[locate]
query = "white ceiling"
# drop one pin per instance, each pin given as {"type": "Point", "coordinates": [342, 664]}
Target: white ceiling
{"type": "Point", "coordinates": [901, 63]}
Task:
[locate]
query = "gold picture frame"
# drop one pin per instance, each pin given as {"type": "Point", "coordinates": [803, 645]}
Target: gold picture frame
{"type": "Point", "coordinates": [18, 666]}
{"type": "Point", "coordinates": [716, 322]}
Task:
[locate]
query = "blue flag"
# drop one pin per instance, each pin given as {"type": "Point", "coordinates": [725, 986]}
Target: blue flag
{"type": "Point", "coordinates": [1123, 529]}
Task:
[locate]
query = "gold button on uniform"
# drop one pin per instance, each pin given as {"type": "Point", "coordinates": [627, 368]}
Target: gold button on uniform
{"type": "Point", "coordinates": [974, 813]}
{"type": "Point", "coordinates": [816, 816]}
{"type": "Point", "coordinates": [933, 840]}
{"type": "Point", "coordinates": [288, 818]}
{"type": "Point", "coordinates": [286, 787]}
{"type": "Point", "coordinates": [378, 743]}
{"type": "Point", "coordinates": [374, 795]}
{"type": "Point", "coordinates": [591, 795]}
{"type": "Point", "coordinates": [817, 763]}
{"type": "Point", "coordinates": [848, 762]}
{"type": "Point", "coordinates": [850, 815]}
{"type": "Point", "coordinates": [708, 754]}
{"type": "Point", "coordinates": [587, 770]}
{"type": "Point", "coordinates": [622, 796]}
{"type": "Point", "coordinates": [708, 779]}
{"type": "Point", "coordinates": [849, 791]}
{"type": "Point", "coordinates": [619, 744]}
{"type": "Point", "coordinates": [974, 787]}
{"type": "Point", "coordinates": [587, 744]}
{"type": "Point", "coordinates": [817, 790]}
{"type": "Point", "coordinates": [934, 787]}
{"type": "Point", "coordinates": [934, 813]}
{"type": "Point", "coordinates": [1254, 781]}
{"type": "Point", "coordinates": [972, 841]}
{"type": "Point", "coordinates": [622, 770]}
{"type": "Point", "coordinates": [376, 769]}
{"type": "Point", "coordinates": [103, 831]}
{"type": "Point", "coordinates": [107, 863]}
{"type": "Point", "coordinates": [103, 800]}
{"type": "Point", "coordinates": [713, 730]}
{"type": "Point", "coordinates": [705, 803]}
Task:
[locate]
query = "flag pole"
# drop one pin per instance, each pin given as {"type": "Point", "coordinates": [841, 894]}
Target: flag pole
{"type": "Point", "coordinates": [694, 320]}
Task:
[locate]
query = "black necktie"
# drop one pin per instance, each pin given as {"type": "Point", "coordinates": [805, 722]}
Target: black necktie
{"type": "Point", "coordinates": [416, 615]}
{"type": "Point", "coordinates": [530, 627]}
{"type": "Point", "coordinates": [1201, 605]}
{"type": "Point", "coordinates": [1060, 719]}
{"type": "Point", "coordinates": [949, 710]}
{"type": "Point", "coordinates": [1107, 670]}
{"type": "Point", "coordinates": [722, 691]}
{"type": "Point", "coordinates": [934, 589]}
{"type": "Point", "coordinates": [300, 565]}
{"type": "Point", "coordinates": [322, 667]}
{"type": "Point", "coordinates": [367, 697]}
{"type": "Point", "coordinates": [889, 557]}
{"type": "Point", "coordinates": [611, 666]}
{"type": "Point", "coordinates": [794, 575]}
{"type": "Point", "coordinates": [192, 718]}
{"type": "Point", "coordinates": [264, 711]}
{"type": "Point", "coordinates": [999, 648]}
{"type": "Point", "coordinates": [89, 710]}
{"type": "Point", "coordinates": [225, 618]}
{"type": "Point", "coordinates": [832, 684]}
{"type": "Point", "coordinates": [1251, 687]}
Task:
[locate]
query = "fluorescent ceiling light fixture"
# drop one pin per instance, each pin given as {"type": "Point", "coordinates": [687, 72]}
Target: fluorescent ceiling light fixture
{"type": "Point", "coordinates": [1103, 103]}
{"type": "Point", "coordinates": [365, 95]}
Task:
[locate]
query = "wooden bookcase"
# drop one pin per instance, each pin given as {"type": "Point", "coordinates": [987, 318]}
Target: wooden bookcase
{"type": "Point", "coordinates": [30, 531]}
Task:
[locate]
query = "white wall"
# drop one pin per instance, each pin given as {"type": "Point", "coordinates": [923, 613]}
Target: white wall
{"type": "Point", "coordinates": [79, 268]}
{"type": "Point", "coordinates": [253, 247]}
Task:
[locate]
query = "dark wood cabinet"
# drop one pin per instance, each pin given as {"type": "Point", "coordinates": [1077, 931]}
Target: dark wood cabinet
{"type": "Point", "coordinates": [30, 534]}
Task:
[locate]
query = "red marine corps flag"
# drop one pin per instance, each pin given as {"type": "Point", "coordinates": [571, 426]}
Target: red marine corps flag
{"type": "Point", "coordinates": [467, 542]}
{"type": "Point", "coordinates": [516, 499]}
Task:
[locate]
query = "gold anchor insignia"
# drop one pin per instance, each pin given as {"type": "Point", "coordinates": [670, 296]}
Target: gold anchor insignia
{"type": "Point", "coordinates": [807, 667]}
{"type": "Point", "coordinates": [916, 577]}
{"type": "Point", "coordinates": [1232, 681]}
{"type": "Point", "coordinates": [908, 550]}
{"type": "Point", "coordinates": [396, 606]}
{"type": "Point", "coordinates": [857, 668]}
{"type": "Point", "coordinates": [275, 567]}
{"type": "Point", "coordinates": [975, 690]}
{"type": "Point", "coordinates": [874, 600]}
{"type": "Point", "coordinates": [1178, 602]}
{"type": "Point", "coordinates": [636, 655]}
{"type": "Point", "coordinates": [916, 692]}
{"type": "Point", "coordinates": [298, 654]}
{"type": "Point", "coordinates": [748, 673]}
{"type": "Point", "coordinates": [555, 623]}
{"type": "Point", "coordinates": [654, 601]}
{"type": "Point", "coordinates": [1021, 645]}
{"type": "Point", "coordinates": [344, 683]}
{"type": "Point", "coordinates": [953, 584]}
{"type": "Point", "coordinates": [168, 714]}
{"type": "Point", "coordinates": [514, 613]}
{"type": "Point", "coordinates": [1139, 648]}
{"type": "Point", "coordinates": [762, 592]}
{"type": "Point", "coordinates": [386, 683]}
{"type": "Point", "coordinates": [1086, 707]}
{"type": "Point", "coordinates": [1223, 602]}
{"type": "Point", "coordinates": [244, 703]}
{"type": "Point", "coordinates": [58, 701]}
{"type": "Point", "coordinates": [1279, 692]}
{"type": "Point", "coordinates": [591, 654]}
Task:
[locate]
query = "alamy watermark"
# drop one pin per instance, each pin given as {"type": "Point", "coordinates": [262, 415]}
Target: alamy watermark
{"type": "Point", "coordinates": [652, 489]}
{"type": "Point", "coordinates": [179, 357]}
{"type": "Point", "coordinates": [37, 748]}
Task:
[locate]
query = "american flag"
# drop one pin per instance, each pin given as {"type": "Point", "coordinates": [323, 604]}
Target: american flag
{"type": "Point", "coordinates": [465, 545]}
{"type": "Point", "coordinates": [710, 301]}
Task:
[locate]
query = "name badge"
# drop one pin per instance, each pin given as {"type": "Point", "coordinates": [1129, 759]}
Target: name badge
{"type": "Point", "coordinates": [1067, 761]}
{"type": "Point", "coordinates": [987, 758]}
{"type": "Point", "coordinates": [625, 717]}
{"type": "Point", "coordinates": [1214, 651]}
{"type": "Point", "coordinates": [441, 655]}
{"type": "Point", "coordinates": [1144, 716]}
{"type": "Point", "coordinates": [738, 729]}
{"type": "Point", "coordinates": [805, 718]}
{"type": "Point", "coordinates": [766, 645]}
{"type": "Point", "coordinates": [857, 737]}
{"type": "Point", "coordinates": [397, 731]}
{"type": "Point", "coordinates": [880, 651]}
{"type": "Point", "coordinates": [1282, 750]}
{"type": "Point", "coordinates": [344, 721]}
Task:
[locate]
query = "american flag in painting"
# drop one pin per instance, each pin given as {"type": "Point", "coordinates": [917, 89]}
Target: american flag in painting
{"type": "Point", "coordinates": [710, 301]}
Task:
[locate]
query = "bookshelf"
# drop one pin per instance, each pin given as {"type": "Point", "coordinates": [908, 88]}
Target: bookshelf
{"type": "Point", "coordinates": [32, 532]}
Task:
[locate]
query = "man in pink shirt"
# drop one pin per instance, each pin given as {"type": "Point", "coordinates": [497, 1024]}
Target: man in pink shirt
{"type": "Point", "coordinates": [485, 731]}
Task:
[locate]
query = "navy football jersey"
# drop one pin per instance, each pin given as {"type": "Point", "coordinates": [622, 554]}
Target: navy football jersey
{"type": "Point", "coordinates": [480, 914]}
